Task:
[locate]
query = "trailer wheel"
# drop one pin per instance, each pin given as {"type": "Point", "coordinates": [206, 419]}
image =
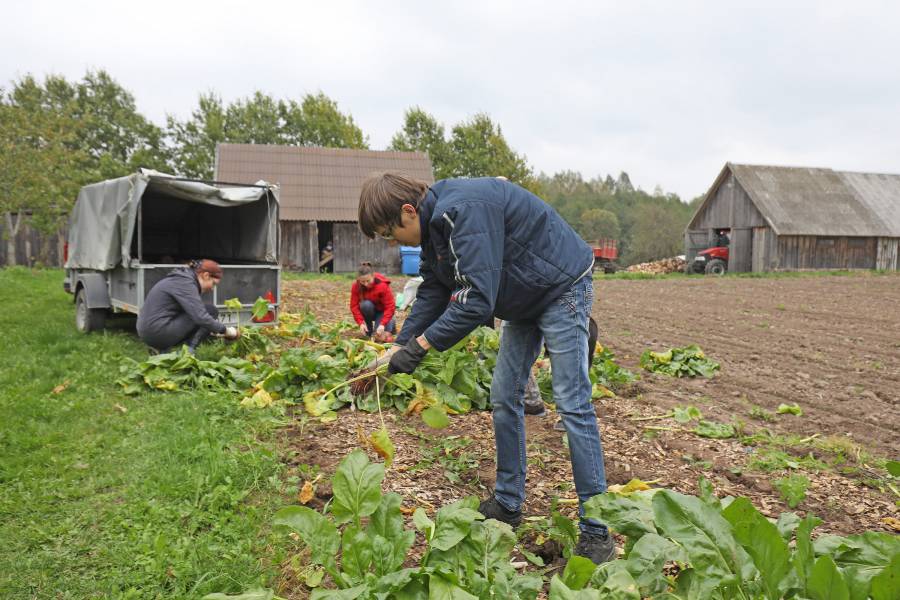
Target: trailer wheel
{"type": "Point", "coordinates": [88, 319]}
{"type": "Point", "coordinates": [716, 266]}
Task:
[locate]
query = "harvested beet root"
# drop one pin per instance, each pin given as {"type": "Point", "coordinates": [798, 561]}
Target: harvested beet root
{"type": "Point", "coordinates": [363, 386]}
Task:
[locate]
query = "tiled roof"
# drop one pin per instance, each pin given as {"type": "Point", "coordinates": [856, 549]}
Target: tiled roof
{"type": "Point", "coordinates": [317, 184]}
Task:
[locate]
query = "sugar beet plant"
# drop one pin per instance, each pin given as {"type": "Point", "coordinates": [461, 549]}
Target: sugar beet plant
{"type": "Point", "coordinates": [455, 381]}
{"type": "Point", "coordinates": [703, 548]}
{"type": "Point", "coordinates": [180, 370]}
{"type": "Point", "coordinates": [689, 361]}
{"type": "Point", "coordinates": [361, 545]}
{"type": "Point", "coordinates": [312, 367]}
{"type": "Point", "coordinates": [678, 547]}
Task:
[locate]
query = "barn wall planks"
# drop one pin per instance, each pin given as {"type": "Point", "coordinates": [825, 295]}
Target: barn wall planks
{"type": "Point", "coordinates": [820, 252]}
{"type": "Point", "coordinates": [729, 208]}
{"type": "Point", "coordinates": [764, 254]}
{"type": "Point", "coordinates": [299, 248]}
{"type": "Point", "coordinates": [351, 247]}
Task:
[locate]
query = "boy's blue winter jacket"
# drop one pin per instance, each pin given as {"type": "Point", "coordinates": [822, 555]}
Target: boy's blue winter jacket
{"type": "Point", "coordinates": [489, 248]}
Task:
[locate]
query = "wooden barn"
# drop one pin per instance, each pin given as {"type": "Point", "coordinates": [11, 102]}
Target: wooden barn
{"type": "Point", "coordinates": [794, 218]}
{"type": "Point", "coordinates": [320, 198]}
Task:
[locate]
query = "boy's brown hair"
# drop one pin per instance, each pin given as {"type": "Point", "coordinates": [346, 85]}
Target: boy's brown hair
{"type": "Point", "coordinates": [383, 195]}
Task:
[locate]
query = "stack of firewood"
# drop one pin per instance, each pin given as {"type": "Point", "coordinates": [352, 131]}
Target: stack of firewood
{"type": "Point", "coordinates": [659, 267]}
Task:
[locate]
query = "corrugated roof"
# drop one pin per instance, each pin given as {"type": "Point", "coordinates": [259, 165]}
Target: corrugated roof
{"type": "Point", "coordinates": [881, 194]}
{"type": "Point", "coordinates": [811, 201]}
{"type": "Point", "coordinates": [316, 183]}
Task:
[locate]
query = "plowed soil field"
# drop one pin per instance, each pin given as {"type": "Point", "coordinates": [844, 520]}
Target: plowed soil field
{"type": "Point", "coordinates": [830, 344]}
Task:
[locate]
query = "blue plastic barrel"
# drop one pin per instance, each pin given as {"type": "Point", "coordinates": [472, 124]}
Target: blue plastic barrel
{"type": "Point", "coordinates": [409, 260]}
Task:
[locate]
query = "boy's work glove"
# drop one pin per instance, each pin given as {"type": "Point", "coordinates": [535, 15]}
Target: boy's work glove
{"type": "Point", "coordinates": [407, 358]}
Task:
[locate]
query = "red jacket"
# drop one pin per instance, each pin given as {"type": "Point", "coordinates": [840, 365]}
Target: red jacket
{"type": "Point", "coordinates": [379, 294]}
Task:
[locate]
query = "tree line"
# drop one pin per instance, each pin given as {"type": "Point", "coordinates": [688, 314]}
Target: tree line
{"type": "Point", "coordinates": [57, 135]}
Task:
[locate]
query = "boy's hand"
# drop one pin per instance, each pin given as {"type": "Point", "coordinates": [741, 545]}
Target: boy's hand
{"type": "Point", "coordinates": [407, 358]}
{"type": "Point", "coordinates": [383, 359]}
{"type": "Point", "coordinates": [363, 329]}
{"type": "Point", "coordinates": [380, 330]}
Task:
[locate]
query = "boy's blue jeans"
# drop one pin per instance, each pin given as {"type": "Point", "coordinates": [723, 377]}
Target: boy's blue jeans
{"type": "Point", "coordinates": [563, 326]}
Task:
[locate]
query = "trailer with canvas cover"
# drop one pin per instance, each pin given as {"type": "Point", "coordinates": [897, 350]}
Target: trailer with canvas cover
{"type": "Point", "coordinates": [126, 234]}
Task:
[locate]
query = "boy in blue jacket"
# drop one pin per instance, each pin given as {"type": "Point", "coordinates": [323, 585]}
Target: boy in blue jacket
{"type": "Point", "coordinates": [493, 249]}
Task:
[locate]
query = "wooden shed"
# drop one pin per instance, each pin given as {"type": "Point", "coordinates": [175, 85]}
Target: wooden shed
{"type": "Point", "coordinates": [795, 218]}
{"type": "Point", "coordinates": [320, 198]}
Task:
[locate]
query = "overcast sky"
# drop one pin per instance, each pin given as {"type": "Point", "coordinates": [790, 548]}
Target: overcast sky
{"type": "Point", "coordinates": [667, 91]}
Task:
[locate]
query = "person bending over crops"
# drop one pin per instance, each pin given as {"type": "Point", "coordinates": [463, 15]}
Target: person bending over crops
{"type": "Point", "coordinates": [492, 248]}
{"type": "Point", "coordinates": [372, 302]}
{"type": "Point", "coordinates": [174, 313]}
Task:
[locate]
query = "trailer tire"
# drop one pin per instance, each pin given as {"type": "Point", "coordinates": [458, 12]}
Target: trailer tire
{"type": "Point", "coordinates": [87, 319]}
{"type": "Point", "coordinates": [716, 266]}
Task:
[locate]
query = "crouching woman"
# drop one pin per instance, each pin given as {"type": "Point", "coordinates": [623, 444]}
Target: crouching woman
{"type": "Point", "coordinates": [372, 302]}
{"type": "Point", "coordinates": [174, 313]}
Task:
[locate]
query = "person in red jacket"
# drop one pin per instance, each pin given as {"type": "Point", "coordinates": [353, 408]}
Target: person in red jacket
{"type": "Point", "coordinates": [372, 302]}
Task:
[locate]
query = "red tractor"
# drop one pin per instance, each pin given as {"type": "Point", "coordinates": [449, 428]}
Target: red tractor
{"type": "Point", "coordinates": [713, 261]}
{"type": "Point", "coordinates": [605, 254]}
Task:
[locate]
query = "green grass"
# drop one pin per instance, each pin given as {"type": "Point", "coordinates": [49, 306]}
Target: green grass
{"type": "Point", "coordinates": [800, 274]}
{"type": "Point", "coordinates": [107, 496]}
{"type": "Point", "coordinates": [598, 276]}
{"type": "Point", "coordinates": [306, 276]}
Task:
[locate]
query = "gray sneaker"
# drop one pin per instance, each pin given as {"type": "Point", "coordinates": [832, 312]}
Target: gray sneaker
{"type": "Point", "coordinates": [534, 404]}
{"type": "Point", "coordinates": [537, 409]}
{"type": "Point", "coordinates": [491, 509]}
{"type": "Point", "coordinates": [599, 548]}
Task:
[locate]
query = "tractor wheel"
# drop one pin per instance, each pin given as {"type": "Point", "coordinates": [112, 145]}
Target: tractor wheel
{"type": "Point", "coordinates": [716, 266]}
{"type": "Point", "coordinates": [88, 319]}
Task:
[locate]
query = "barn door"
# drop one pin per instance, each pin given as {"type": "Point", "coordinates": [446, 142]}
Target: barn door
{"type": "Point", "coordinates": [739, 250]}
{"type": "Point", "coordinates": [888, 254]}
{"type": "Point", "coordinates": [695, 240]}
{"type": "Point", "coordinates": [758, 252]}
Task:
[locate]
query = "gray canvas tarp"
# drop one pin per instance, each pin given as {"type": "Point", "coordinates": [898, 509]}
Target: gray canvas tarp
{"type": "Point", "coordinates": [103, 223]}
